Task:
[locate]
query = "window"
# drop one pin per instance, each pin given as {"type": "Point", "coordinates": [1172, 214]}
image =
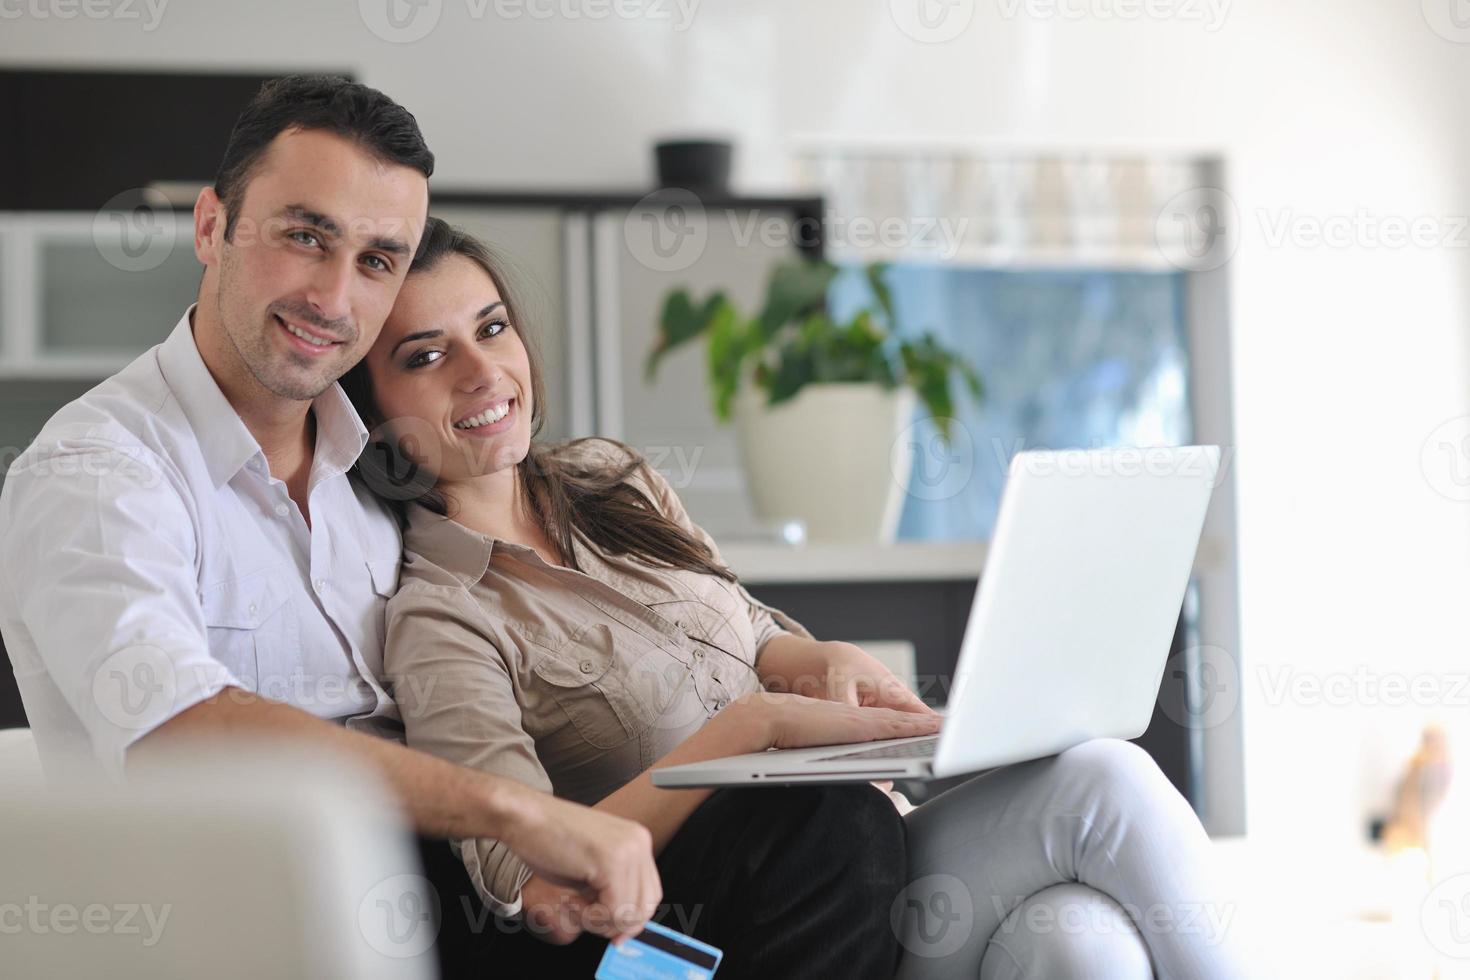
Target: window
{"type": "Point", "coordinates": [1069, 358]}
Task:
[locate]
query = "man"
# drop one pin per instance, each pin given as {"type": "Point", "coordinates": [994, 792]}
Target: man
{"type": "Point", "coordinates": [182, 554]}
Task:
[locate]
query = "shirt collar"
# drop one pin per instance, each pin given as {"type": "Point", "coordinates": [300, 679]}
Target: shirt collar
{"type": "Point", "coordinates": [223, 438]}
{"type": "Point", "coordinates": [340, 434]}
{"type": "Point", "coordinates": [462, 552]}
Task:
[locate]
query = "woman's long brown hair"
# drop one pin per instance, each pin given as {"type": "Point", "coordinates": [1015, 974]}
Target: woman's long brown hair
{"type": "Point", "coordinates": [563, 491]}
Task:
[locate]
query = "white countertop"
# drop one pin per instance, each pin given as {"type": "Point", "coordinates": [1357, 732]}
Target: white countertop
{"type": "Point", "coordinates": [905, 561]}
{"type": "Point", "coordinates": [902, 561]}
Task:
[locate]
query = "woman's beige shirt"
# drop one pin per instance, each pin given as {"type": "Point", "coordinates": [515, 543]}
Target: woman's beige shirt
{"type": "Point", "coordinates": [572, 682]}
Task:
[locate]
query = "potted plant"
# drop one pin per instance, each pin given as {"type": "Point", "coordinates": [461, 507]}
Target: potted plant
{"type": "Point", "coordinates": [819, 406]}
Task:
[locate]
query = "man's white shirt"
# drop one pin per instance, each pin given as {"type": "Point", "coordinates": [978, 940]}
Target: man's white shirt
{"type": "Point", "coordinates": [148, 560]}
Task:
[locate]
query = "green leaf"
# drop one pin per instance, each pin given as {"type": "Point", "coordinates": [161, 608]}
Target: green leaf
{"type": "Point", "coordinates": [794, 342]}
{"type": "Point", "coordinates": [884, 295]}
{"type": "Point", "coordinates": [796, 290]}
{"type": "Point", "coordinates": [972, 380]}
{"type": "Point", "coordinates": [929, 368]}
{"type": "Point", "coordinates": [731, 340]}
{"type": "Point", "coordinates": [681, 322]}
{"type": "Point", "coordinates": [794, 370]}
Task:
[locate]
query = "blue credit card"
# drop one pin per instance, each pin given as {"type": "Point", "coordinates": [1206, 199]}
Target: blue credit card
{"type": "Point", "coordinates": [657, 953]}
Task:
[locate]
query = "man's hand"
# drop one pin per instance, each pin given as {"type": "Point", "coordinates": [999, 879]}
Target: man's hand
{"type": "Point", "coordinates": [608, 859]}
{"type": "Point", "coordinates": [835, 671]}
{"type": "Point", "coordinates": [553, 914]}
{"type": "Point", "coordinates": [605, 863]}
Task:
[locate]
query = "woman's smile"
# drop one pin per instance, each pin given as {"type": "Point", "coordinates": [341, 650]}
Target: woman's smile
{"type": "Point", "coordinates": [488, 418]}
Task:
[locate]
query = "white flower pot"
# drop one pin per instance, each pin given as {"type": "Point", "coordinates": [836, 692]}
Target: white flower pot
{"type": "Point", "coordinates": [830, 457]}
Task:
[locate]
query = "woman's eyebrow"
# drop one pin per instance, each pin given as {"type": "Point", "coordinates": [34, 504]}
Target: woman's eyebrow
{"type": "Point", "coordinates": [418, 335]}
{"type": "Point", "coordinates": [426, 334]}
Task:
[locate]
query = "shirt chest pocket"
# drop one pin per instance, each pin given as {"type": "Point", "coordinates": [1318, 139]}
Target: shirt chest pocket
{"type": "Point", "coordinates": [376, 587]}
{"type": "Point", "coordinates": [597, 687]}
{"type": "Point", "coordinates": [253, 629]}
{"type": "Point", "coordinates": [716, 622]}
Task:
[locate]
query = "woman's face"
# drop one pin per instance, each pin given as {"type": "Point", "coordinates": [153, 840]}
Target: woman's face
{"type": "Point", "coordinates": [450, 374]}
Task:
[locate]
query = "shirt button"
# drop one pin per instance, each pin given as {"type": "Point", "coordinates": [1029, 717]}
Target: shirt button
{"type": "Point", "coordinates": [252, 609]}
{"type": "Point", "coordinates": [720, 704]}
{"type": "Point", "coordinates": [321, 585]}
{"type": "Point", "coordinates": [698, 654]}
{"type": "Point", "coordinates": [282, 510]}
{"type": "Point", "coordinates": [586, 666]}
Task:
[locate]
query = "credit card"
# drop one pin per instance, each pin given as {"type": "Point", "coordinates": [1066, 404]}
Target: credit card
{"type": "Point", "coordinates": [657, 953]}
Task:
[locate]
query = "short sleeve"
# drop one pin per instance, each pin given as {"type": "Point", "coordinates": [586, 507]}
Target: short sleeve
{"type": "Point", "coordinates": [457, 701]}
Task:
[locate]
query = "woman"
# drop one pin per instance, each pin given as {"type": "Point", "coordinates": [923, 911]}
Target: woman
{"type": "Point", "coordinates": [561, 620]}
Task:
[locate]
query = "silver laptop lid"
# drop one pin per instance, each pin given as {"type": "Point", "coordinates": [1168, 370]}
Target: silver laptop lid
{"type": "Point", "coordinates": [1078, 602]}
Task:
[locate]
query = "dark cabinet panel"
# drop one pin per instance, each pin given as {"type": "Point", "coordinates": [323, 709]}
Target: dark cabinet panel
{"type": "Point", "coordinates": [74, 139]}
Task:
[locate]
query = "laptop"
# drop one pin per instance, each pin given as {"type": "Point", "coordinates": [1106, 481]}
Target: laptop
{"type": "Point", "coordinates": [1069, 631]}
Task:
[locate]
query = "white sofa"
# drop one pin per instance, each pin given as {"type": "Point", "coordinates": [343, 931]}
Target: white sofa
{"type": "Point", "coordinates": [19, 764]}
{"type": "Point", "coordinates": [227, 864]}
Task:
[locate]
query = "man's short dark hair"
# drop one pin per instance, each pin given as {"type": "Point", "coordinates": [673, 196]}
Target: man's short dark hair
{"type": "Point", "coordinates": [326, 102]}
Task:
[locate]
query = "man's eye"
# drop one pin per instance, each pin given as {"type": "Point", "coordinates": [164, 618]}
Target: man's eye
{"type": "Point", "coordinates": [423, 357]}
{"type": "Point", "coordinates": [379, 263]}
{"type": "Point", "coordinates": [305, 238]}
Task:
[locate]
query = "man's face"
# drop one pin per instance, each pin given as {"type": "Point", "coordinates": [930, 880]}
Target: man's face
{"type": "Point", "coordinates": [321, 243]}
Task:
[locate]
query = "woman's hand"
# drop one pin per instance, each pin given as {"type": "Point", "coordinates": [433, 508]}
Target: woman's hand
{"type": "Point", "coordinates": [835, 671]}
{"type": "Point", "coordinates": [793, 721]}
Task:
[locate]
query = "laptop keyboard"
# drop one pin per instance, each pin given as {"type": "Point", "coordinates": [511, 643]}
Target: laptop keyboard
{"type": "Point", "coordinates": [905, 750]}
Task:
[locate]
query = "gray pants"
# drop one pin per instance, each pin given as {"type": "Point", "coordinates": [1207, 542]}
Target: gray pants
{"type": "Point", "coordinates": [1088, 864]}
